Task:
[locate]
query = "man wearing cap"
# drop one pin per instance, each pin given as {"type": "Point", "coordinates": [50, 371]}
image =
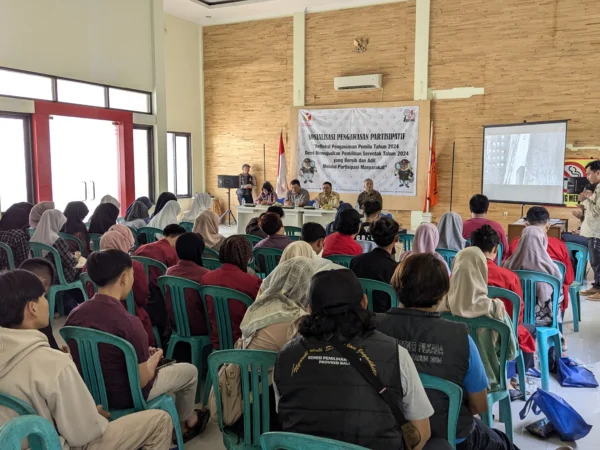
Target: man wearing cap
{"type": "Point", "coordinates": [247, 183]}
{"type": "Point", "coordinates": [320, 393]}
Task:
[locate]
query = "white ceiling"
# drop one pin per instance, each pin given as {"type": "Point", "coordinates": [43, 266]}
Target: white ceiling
{"type": "Point", "coordinates": [194, 11]}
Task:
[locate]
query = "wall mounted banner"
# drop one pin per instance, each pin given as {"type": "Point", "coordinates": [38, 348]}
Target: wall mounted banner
{"type": "Point", "coordinates": [345, 146]}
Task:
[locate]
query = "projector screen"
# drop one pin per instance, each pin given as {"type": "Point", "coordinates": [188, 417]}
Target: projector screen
{"type": "Point", "coordinates": [524, 163]}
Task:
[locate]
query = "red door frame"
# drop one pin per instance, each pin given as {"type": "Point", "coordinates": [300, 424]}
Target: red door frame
{"type": "Point", "coordinates": [42, 160]}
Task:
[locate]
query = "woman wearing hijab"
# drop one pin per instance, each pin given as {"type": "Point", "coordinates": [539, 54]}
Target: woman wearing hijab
{"type": "Point", "coordinates": [145, 200]}
{"type": "Point", "coordinates": [450, 228]}
{"type": "Point", "coordinates": [166, 216]}
{"type": "Point", "coordinates": [235, 254]}
{"type": "Point", "coordinates": [531, 254]}
{"type": "Point", "coordinates": [303, 249]}
{"type": "Point", "coordinates": [426, 240]}
{"type": "Point", "coordinates": [13, 224]}
{"type": "Point", "coordinates": [25, 206]}
{"type": "Point", "coordinates": [76, 212]}
{"type": "Point", "coordinates": [14, 218]}
{"type": "Point", "coordinates": [332, 226]}
{"type": "Point", "coordinates": [162, 201]}
{"type": "Point", "coordinates": [119, 237]}
{"type": "Point", "coordinates": [46, 233]}
{"type": "Point", "coordinates": [468, 298]}
{"type": "Point", "coordinates": [104, 217]}
{"type": "Point", "coordinates": [190, 247]}
{"type": "Point", "coordinates": [207, 226]}
{"type": "Point", "coordinates": [202, 202]}
{"type": "Point", "coordinates": [36, 212]}
{"type": "Point", "coordinates": [110, 199]}
{"type": "Point", "coordinates": [137, 216]}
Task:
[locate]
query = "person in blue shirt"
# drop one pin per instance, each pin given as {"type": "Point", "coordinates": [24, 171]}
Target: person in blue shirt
{"type": "Point", "coordinates": [440, 348]}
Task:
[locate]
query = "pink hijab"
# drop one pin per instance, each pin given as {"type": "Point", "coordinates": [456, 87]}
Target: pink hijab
{"type": "Point", "coordinates": [117, 237]}
{"type": "Point", "coordinates": [426, 240]}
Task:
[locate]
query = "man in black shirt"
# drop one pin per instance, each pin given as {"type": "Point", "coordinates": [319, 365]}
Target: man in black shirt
{"type": "Point", "coordinates": [372, 210]}
{"type": "Point", "coordinates": [378, 264]}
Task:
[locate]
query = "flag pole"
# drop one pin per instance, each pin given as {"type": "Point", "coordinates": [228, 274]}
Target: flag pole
{"type": "Point", "coordinates": [264, 162]}
{"type": "Point", "coordinates": [429, 171]}
{"type": "Point", "coordinates": [452, 176]}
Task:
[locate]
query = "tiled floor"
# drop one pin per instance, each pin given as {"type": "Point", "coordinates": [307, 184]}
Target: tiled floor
{"type": "Point", "coordinates": [583, 347]}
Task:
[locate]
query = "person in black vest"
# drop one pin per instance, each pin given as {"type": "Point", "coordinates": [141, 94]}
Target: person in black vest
{"type": "Point", "coordinates": [319, 393]}
{"type": "Point", "coordinates": [378, 264]}
{"type": "Point", "coordinates": [441, 348]}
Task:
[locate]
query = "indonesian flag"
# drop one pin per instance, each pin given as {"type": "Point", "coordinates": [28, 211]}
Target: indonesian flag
{"type": "Point", "coordinates": [281, 187]}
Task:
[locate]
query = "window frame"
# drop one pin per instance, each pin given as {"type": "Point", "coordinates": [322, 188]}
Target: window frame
{"type": "Point", "coordinates": [106, 88]}
{"type": "Point", "coordinates": [176, 134]}
{"type": "Point", "coordinates": [27, 134]}
{"type": "Point", "coordinates": [151, 166]}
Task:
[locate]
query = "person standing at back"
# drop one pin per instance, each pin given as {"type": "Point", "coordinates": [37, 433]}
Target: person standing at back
{"type": "Point", "coordinates": [591, 203]}
{"type": "Point", "coordinates": [247, 183]}
{"type": "Point", "coordinates": [479, 205]}
{"type": "Point", "coordinates": [378, 264]}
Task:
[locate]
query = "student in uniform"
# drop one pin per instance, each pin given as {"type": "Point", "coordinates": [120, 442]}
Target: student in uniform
{"type": "Point", "coordinates": [272, 225]}
{"type": "Point", "coordinates": [35, 215]}
{"type": "Point", "coordinates": [342, 241]}
{"type": "Point", "coordinates": [76, 212]}
{"type": "Point", "coordinates": [451, 228]}
{"type": "Point", "coordinates": [167, 216]}
{"type": "Point", "coordinates": [13, 226]}
{"type": "Point", "coordinates": [163, 199]}
{"type": "Point", "coordinates": [207, 226]}
{"type": "Point", "coordinates": [105, 216]}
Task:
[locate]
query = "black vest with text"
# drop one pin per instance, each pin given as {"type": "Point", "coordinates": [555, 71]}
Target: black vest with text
{"type": "Point", "coordinates": [439, 348]}
{"type": "Point", "coordinates": [322, 395]}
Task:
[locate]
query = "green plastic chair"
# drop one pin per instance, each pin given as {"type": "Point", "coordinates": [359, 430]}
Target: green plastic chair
{"type": "Point", "coordinates": [448, 255]}
{"type": "Point", "coordinates": [500, 253]}
{"type": "Point", "coordinates": [561, 268]}
{"type": "Point", "coordinates": [454, 393]}
{"type": "Point", "coordinates": [220, 299]}
{"type": "Point", "coordinates": [30, 231]}
{"type": "Point", "coordinates": [88, 341]}
{"type": "Point", "coordinates": [37, 249]}
{"type": "Point", "coordinates": [407, 240]}
{"type": "Point", "coordinates": [69, 237]}
{"type": "Point", "coordinates": [19, 406]}
{"type": "Point", "coordinates": [265, 261]}
{"type": "Point", "coordinates": [342, 260]}
{"type": "Point", "coordinates": [175, 287]}
{"type": "Point", "coordinates": [292, 231]}
{"type": "Point", "coordinates": [134, 231]}
{"type": "Point", "coordinates": [252, 239]}
{"type": "Point", "coordinates": [9, 255]}
{"type": "Point", "coordinates": [85, 279]}
{"type": "Point", "coordinates": [94, 241]}
{"type": "Point", "coordinates": [210, 253]}
{"type": "Point", "coordinates": [294, 441]}
{"type": "Point", "coordinates": [501, 394]}
{"type": "Point", "coordinates": [255, 394]}
{"type": "Point", "coordinates": [370, 286]}
{"type": "Point", "coordinates": [581, 255]}
{"type": "Point", "coordinates": [529, 279]}
{"type": "Point", "coordinates": [40, 433]}
{"type": "Point", "coordinates": [211, 264]}
{"type": "Point", "coordinates": [188, 226]}
{"type": "Point", "coordinates": [496, 292]}
{"type": "Point", "coordinates": [150, 233]}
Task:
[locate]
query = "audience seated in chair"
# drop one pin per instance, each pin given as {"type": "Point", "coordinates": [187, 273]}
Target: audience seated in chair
{"type": "Point", "coordinates": [112, 271]}
{"type": "Point", "coordinates": [378, 264]}
{"type": "Point", "coordinates": [426, 240]}
{"type": "Point", "coordinates": [468, 298]}
{"type": "Point", "coordinates": [372, 210]}
{"type": "Point", "coordinates": [486, 239]}
{"type": "Point", "coordinates": [13, 232]}
{"type": "Point", "coordinates": [309, 389]}
{"type": "Point", "coordinates": [479, 205]}
{"type": "Point", "coordinates": [190, 247]}
{"type": "Point", "coordinates": [202, 202]}
{"type": "Point", "coordinates": [253, 227]}
{"type": "Point", "coordinates": [332, 226]}
{"type": "Point", "coordinates": [235, 254]}
{"type": "Point", "coordinates": [35, 215]}
{"type": "Point", "coordinates": [137, 216]}
{"type": "Point", "coordinates": [421, 282]}
{"type": "Point", "coordinates": [451, 229]}
{"type": "Point", "coordinates": [76, 212]}
{"type": "Point", "coordinates": [105, 216]}
{"type": "Point", "coordinates": [207, 226]}
{"type": "Point", "coordinates": [314, 234]}
{"type": "Point", "coordinates": [342, 241]}
{"type": "Point", "coordinates": [301, 248]}
{"type": "Point", "coordinates": [272, 225]}
{"type": "Point", "coordinates": [167, 216]}
{"type": "Point", "coordinates": [48, 379]}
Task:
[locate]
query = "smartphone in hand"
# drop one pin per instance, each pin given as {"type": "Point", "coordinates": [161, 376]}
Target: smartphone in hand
{"type": "Point", "coordinates": [165, 362]}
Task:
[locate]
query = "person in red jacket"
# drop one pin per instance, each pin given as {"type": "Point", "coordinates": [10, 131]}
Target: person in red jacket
{"type": "Point", "coordinates": [479, 205]}
{"type": "Point", "coordinates": [235, 254]}
{"type": "Point", "coordinates": [487, 240]}
{"type": "Point", "coordinates": [342, 241]}
{"type": "Point", "coordinates": [538, 216]}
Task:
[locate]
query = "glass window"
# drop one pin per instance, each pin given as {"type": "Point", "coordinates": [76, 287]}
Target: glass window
{"type": "Point", "coordinates": [20, 84]}
{"type": "Point", "coordinates": [14, 161]}
{"type": "Point", "coordinates": [178, 164]}
{"type": "Point", "coordinates": [142, 157]}
{"type": "Point", "coordinates": [80, 93]}
{"type": "Point", "coordinates": [129, 100]}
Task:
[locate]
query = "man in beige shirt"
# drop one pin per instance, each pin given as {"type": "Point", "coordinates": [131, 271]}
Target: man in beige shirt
{"type": "Point", "coordinates": [328, 197]}
{"type": "Point", "coordinates": [591, 226]}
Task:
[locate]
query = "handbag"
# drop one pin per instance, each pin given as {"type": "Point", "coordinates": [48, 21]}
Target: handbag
{"type": "Point", "coordinates": [567, 422]}
{"type": "Point", "coordinates": [411, 435]}
{"type": "Point", "coordinates": [571, 374]}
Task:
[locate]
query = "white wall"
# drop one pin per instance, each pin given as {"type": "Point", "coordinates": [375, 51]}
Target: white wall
{"type": "Point", "coordinates": [102, 41]}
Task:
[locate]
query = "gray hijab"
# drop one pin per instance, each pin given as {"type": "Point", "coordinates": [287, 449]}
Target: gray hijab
{"type": "Point", "coordinates": [450, 228]}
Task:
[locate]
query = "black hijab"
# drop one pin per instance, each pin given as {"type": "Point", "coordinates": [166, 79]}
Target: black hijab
{"type": "Point", "coordinates": [14, 219]}
{"type": "Point", "coordinates": [26, 206]}
{"type": "Point", "coordinates": [145, 200]}
{"type": "Point", "coordinates": [75, 212]}
{"type": "Point", "coordinates": [163, 199]}
{"type": "Point", "coordinates": [190, 247]}
{"type": "Point", "coordinates": [104, 217]}
{"type": "Point", "coordinates": [136, 211]}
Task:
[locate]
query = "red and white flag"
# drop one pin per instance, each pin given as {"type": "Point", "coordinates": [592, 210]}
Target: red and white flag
{"type": "Point", "coordinates": [281, 187]}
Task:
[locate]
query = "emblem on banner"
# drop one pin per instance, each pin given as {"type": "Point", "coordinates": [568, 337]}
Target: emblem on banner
{"type": "Point", "coordinates": [410, 115]}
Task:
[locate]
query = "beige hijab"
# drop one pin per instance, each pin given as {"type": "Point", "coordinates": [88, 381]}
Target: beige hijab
{"type": "Point", "coordinates": [207, 226]}
{"type": "Point", "coordinates": [303, 249]}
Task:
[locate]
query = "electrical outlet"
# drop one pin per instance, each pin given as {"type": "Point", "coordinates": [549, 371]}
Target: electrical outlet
{"type": "Point", "coordinates": [505, 214]}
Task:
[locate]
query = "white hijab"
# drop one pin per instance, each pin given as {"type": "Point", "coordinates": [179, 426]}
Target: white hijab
{"type": "Point", "coordinates": [167, 216]}
{"type": "Point", "coordinates": [202, 202]}
{"type": "Point", "coordinates": [110, 199]}
{"type": "Point", "coordinates": [50, 224]}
